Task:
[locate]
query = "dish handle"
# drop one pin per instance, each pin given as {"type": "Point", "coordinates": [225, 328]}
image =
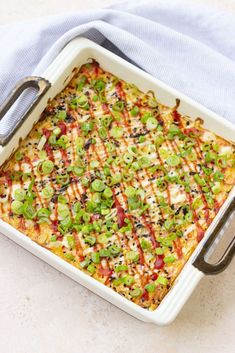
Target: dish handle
{"type": "Point", "coordinates": [38, 83]}
{"type": "Point", "coordinates": [212, 269]}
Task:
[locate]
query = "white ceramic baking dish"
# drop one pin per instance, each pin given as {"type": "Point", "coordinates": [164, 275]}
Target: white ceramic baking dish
{"type": "Point", "coordinates": [54, 79]}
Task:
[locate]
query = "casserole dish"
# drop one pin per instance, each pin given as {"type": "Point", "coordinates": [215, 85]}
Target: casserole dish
{"type": "Point", "coordinates": [54, 80]}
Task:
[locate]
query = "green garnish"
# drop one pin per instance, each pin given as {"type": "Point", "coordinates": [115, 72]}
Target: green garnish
{"type": "Point", "coordinates": [161, 280]}
{"type": "Point", "coordinates": [91, 240]}
{"type": "Point", "coordinates": [107, 193]}
{"type": "Point", "coordinates": [151, 123]}
{"type": "Point", "coordinates": [169, 259]}
{"type": "Point", "coordinates": [48, 192]}
{"type": "Point", "coordinates": [118, 106]}
{"type": "Point", "coordinates": [17, 207]}
{"type": "Point", "coordinates": [95, 257]}
{"type": "Point", "coordinates": [150, 288]}
{"type": "Point", "coordinates": [132, 256]}
{"type": "Point", "coordinates": [159, 251]}
{"type": "Point", "coordinates": [18, 156]}
{"type": "Point", "coordinates": [116, 132]}
{"type": "Point", "coordinates": [47, 167]}
{"type": "Point", "coordinates": [136, 292]}
{"type": "Point", "coordinates": [98, 185]}
{"type": "Point", "coordinates": [135, 111]}
{"type": "Point", "coordinates": [173, 160]}
{"type": "Point", "coordinates": [128, 280]}
{"type": "Point", "coordinates": [121, 268]}
{"type": "Point", "coordinates": [104, 253]}
{"type": "Point", "coordinates": [63, 211]}
{"type": "Point", "coordinates": [20, 194]}
{"type": "Point", "coordinates": [61, 115]}
{"type": "Point", "coordinates": [63, 179]}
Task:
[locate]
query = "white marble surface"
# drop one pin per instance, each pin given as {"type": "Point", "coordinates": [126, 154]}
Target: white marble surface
{"type": "Point", "coordinates": [43, 311]}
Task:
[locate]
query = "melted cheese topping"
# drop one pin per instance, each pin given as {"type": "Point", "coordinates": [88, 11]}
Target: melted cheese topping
{"type": "Point", "coordinates": [117, 184]}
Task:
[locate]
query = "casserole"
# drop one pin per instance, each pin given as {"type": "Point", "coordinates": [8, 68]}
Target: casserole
{"type": "Point", "coordinates": [76, 53]}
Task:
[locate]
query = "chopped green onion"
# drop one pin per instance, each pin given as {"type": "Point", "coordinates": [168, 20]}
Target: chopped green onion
{"type": "Point", "coordinates": [69, 256]}
{"type": "Point", "coordinates": [102, 239]}
{"type": "Point", "coordinates": [17, 207]}
{"type": "Point", "coordinates": [169, 259]}
{"type": "Point", "coordinates": [62, 199]}
{"type": "Point", "coordinates": [130, 191]}
{"type": "Point", "coordinates": [197, 203]}
{"type": "Point", "coordinates": [63, 179]}
{"type": "Point", "coordinates": [161, 280]}
{"type": "Point", "coordinates": [43, 213]}
{"type": "Point", "coordinates": [102, 133]}
{"type": "Point", "coordinates": [78, 171]}
{"type": "Point", "coordinates": [127, 158]}
{"type": "Point", "coordinates": [168, 224]}
{"type": "Point", "coordinates": [71, 241]}
{"type": "Point", "coordinates": [63, 211]}
{"type": "Point", "coordinates": [57, 131]}
{"type": "Point", "coordinates": [173, 160]}
{"type": "Point", "coordinates": [90, 240]}
{"type": "Point", "coordinates": [63, 141]}
{"type": "Point", "coordinates": [107, 193]}
{"type": "Point", "coordinates": [136, 292]}
{"type": "Point", "coordinates": [114, 250]}
{"type": "Point", "coordinates": [98, 185]}
{"type": "Point", "coordinates": [87, 126]}
{"type": "Point", "coordinates": [104, 253]}
{"type": "Point", "coordinates": [145, 244]}
{"type": "Point", "coordinates": [85, 263]}
{"type": "Point", "coordinates": [85, 181]}
{"type": "Point", "coordinates": [120, 268]}
{"type": "Point", "coordinates": [61, 115]}
{"type": "Point", "coordinates": [116, 132]}
{"type": "Point", "coordinates": [159, 251]}
{"type": "Point", "coordinates": [199, 180]}
{"type": "Point", "coordinates": [47, 167]}
{"type": "Point", "coordinates": [91, 269]}
{"type": "Point", "coordinates": [28, 210]}
{"type": "Point", "coordinates": [118, 106]}
{"type": "Point", "coordinates": [216, 189]}
{"type": "Point", "coordinates": [19, 194]}
{"type": "Point", "coordinates": [144, 162]}
{"type": "Point", "coordinates": [135, 111]}
{"type": "Point", "coordinates": [161, 184]}
{"type": "Point", "coordinates": [42, 155]}
{"type": "Point", "coordinates": [145, 117]}
{"type": "Point", "coordinates": [53, 238]}
{"type": "Point", "coordinates": [218, 176]}
{"type": "Point", "coordinates": [151, 123]}
{"type": "Point", "coordinates": [95, 98]}
{"type": "Point", "coordinates": [106, 120]}
{"type": "Point", "coordinates": [47, 192]}
{"type": "Point", "coordinates": [99, 85]}
{"type": "Point", "coordinates": [150, 288]}
{"type": "Point", "coordinates": [18, 156]}
{"type": "Point", "coordinates": [95, 257]}
{"type": "Point", "coordinates": [132, 256]}
{"type": "Point", "coordinates": [128, 280]}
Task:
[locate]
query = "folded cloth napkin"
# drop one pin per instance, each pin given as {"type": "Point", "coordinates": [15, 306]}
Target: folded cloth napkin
{"type": "Point", "coordinates": [190, 47]}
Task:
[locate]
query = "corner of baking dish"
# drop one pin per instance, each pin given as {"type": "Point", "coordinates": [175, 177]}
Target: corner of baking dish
{"type": "Point", "coordinates": [59, 74]}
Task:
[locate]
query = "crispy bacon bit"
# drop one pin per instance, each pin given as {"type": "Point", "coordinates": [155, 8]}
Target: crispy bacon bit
{"type": "Point", "coordinates": [62, 127]}
{"type": "Point", "coordinates": [159, 263]}
{"type": "Point", "coordinates": [200, 234]}
{"type": "Point", "coordinates": [46, 133]}
{"type": "Point", "coordinates": [120, 216]}
{"type": "Point", "coordinates": [105, 271]}
{"type": "Point", "coordinates": [49, 152]}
